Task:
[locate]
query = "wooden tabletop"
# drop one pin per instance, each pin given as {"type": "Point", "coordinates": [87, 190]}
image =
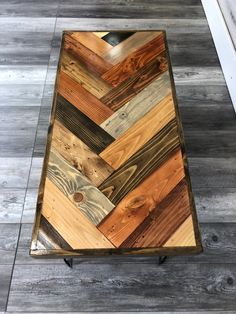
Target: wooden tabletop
{"type": "Point", "coordinates": [115, 177]}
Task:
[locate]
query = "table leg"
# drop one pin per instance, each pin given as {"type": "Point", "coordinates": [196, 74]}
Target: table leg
{"type": "Point", "coordinates": [69, 262]}
{"type": "Point", "coordinates": [162, 259]}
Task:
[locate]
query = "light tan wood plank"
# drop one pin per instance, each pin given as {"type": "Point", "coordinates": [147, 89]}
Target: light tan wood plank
{"type": "Point", "coordinates": [79, 155]}
{"type": "Point", "coordinates": [142, 131]}
{"type": "Point", "coordinates": [68, 220]}
{"type": "Point", "coordinates": [100, 34]}
{"type": "Point", "coordinates": [138, 106]}
{"type": "Point", "coordinates": [183, 236]}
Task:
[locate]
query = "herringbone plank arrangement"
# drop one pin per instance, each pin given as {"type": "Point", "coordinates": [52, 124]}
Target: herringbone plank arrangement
{"type": "Point", "coordinates": [115, 173]}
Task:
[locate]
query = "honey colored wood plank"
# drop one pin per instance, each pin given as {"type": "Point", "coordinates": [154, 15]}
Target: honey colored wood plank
{"type": "Point", "coordinates": [79, 191]}
{"type": "Point", "coordinates": [86, 102]}
{"type": "Point", "coordinates": [81, 126]}
{"type": "Point", "coordinates": [91, 61]}
{"type": "Point", "coordinates": [92, 83]}
{"type": "Point", "coordinates": [69, 221]}
{"type": "Point", "coordinates": [183, 236]}
{"type": "Point", "coordinates": [128, 46]}
{"type": "Point", "coordinates": [138, 106]}
{"type": "Point", "coordinates": [163, 221]}
{"type": "Point", "coordinates": [100, 34]}
{"type": "Point", "coordinates": [79, 155]}
{"type": "Point", "coordinates": [121, 94]}
{"type": "Point", "coordinates": [139, 134]}
{"type": "Point", "coordinates": [141, 164]}
{"type": "Point", "coordinates": [137, 204]}
{"type": "Point", "coordinates": [92, 42]}
{"type": "Point", "coordinates": [135, 61]}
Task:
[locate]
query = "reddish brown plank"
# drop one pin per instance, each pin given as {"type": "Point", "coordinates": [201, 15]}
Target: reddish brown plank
{"type": "Point", "coordinates": [163, 221]}
{"type": "Point", "coordinates": [137, 204]}
{"type": "Point", "coordinates": [121, 94]}
{"type": "Point", "coordinates": [135, 61]}
{"type": "Point", "coordinates": [87, 57]}
{"type": "Point", "coordinates": [86, 102]}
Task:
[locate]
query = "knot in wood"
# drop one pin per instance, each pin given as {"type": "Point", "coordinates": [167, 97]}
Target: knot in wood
{"type": "Point", "coordinates": [79, 197]}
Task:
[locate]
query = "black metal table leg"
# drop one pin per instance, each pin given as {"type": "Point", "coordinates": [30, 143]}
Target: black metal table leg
{"type": "Point", "coordinates": [69, 262]}
{"type": "Point", "coordinates": [162, 259]}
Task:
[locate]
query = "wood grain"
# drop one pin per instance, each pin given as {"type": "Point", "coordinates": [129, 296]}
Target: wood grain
{"type": "Point", "coordinates": [141, 164]}
{"type": "Point", "coordinates": [94, 84]}
{"type": "Point", "coordinates": [138, 204]}
{"type": "Point", "coordinates": [87, 57]}
{"type": "Point", "coordinates": [79, 191]}
{"type": "Point", "coordinates": [139, 134]}
{"type": "Point", "coordinates": [79, 155]}
{"type": "Point", "coordinates": [82, 99]}
{"type": "Point", "coordinates": [138, 106]}
{"type": "Point", "coordinates": [120, 95]}
{"type": "Point", "coordinates": [65, 217]}
{"type": "Point", "coordinates": [100, 34]}
{"type": "Point", "coordinates": [163, 220]}
{"type": "Point", "coordinates": [81, 126]}
{"type": "Point", "coordinates": [135, 61]}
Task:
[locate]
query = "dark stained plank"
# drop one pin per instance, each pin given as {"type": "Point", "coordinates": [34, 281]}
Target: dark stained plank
{"type": "Point", "coordinates": [114, 38]}
{"type": "Point", "coordinates": [118, 96]}
{"type": "Point", "coordinates": [163, 221]}
{"type": "Point", "coordinates": [137, 204]}
{"type": "Point", "coordinates": [141, 164]}
{"type": "Point", "coordinates": [84, 128]}
{"type": "Point", "coordinates": [135, 61]}
{"type": "Point", "coordinates": [82, 99]}
{"type": "Point", "coordinates": [87, 57]}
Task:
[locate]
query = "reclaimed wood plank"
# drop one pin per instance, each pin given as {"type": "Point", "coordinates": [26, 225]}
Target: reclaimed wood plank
{"type": "Point", "coordinates": [137, 204]}
{"type": "Point", "coordinates": [84, 196]}
{"type": "Point", "coordinates": [82, 99]}
{"type": "Point", "coordinates": [79, 155]}
{"type": "Point", "coordinates": [78, 231]}
{"type": "Point", "coordinates": [139, 134]}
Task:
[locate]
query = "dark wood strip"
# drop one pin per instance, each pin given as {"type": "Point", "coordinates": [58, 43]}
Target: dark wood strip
{"type": "Point", "coordinates": [49, 237]}
{"type": "Point", "coordinates": [114, 38]}
{"type": "Point", "coordinates": [120, 95]}
{"type": "Point", "coordinates": [81, 126]}
{"type": "Point", "coordinates": [141, 164]}
{"type": "Point", "coordinates": [135, 61]}
{"type": "Point", "coordinates": [87, 57]}
{"type": "Point", "coordinates": [160, 224]}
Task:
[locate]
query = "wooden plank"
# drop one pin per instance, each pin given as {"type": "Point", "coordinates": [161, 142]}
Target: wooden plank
{"type": "Point", "coordinates": [183, 236]}
{"type": "Point", "coordinates": [86, 197]}
{"type": "Point", "coordinates": [138, 106]}
{"type": "Point", "coordinates": [92, 41]}
{"type": "Point", "coordinates": [100, 34]}
{"type": "Point", "coordinates": [163, 221]}
{"type": "Point", "coordinates": [91, 61]}
{"type": "Point", "coordinates": [128, 46]}
{"type": "Point", "coordinates": [81, 126]}
{"type": "Point", "coordinates": [137, 204]}
{"type": "Point", "coordinates": [82, 99]}
{"type": "Point", "coordinates": [94, 84]}
{"type": "Point", "coordinates": [139, 134]}
{"type": "Point", "coordinates": [121, 94]}
{"type": "Point", "coordinates": [135, 61]}
{"type": "Point", "coordinates": [68, 220]}
{"type": "Point", "coordinates": [79, 155]}
{"type": "Point", "coordinates": [141, 164]}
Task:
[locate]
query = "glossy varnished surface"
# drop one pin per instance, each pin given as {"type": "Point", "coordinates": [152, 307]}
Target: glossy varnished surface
{"type": "Point", "coordinates": [107, 188]}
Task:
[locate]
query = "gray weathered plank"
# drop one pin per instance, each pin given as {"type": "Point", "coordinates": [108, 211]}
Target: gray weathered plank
{"type": "Point", "coordinates": [8, 242]}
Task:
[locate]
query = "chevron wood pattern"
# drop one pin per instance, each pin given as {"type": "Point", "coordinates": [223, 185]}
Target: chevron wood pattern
{"type": "Point", "coordinates": [115, 176]}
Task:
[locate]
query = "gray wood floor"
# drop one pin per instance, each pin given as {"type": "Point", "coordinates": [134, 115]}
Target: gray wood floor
{"type": "Point", "coordinates": [30, 34]}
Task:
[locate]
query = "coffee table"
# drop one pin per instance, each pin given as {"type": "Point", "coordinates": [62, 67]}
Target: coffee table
{"type": "Point", "coordinates": [115, 177]}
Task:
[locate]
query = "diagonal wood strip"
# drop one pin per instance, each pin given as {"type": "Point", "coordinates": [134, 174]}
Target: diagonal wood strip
{"type": "Point", "coordinates": [141, 164]}
{"type": "Point", "coordinates": [87, 57]}
{"type": "Point", "coordinates": [139, 134]}
{"type": "Point", "coordinates": [68, 220]}
{"type": "Point", "coordinates": [100, 34]}
{"type": "Point", "coordinates": [79, 155]}
{"type": "Point", "coordinates": [138, 106]}
{"type": "Point", "coordinates": [163, 220]}
{"type": "Point", "coordinates": [121, 94]}
{"type": "Point", "coordinates": [135, 61]}
{"type": "Point", "coordinates": [137, 204]}
{"type": "Point", "coordinates": [78, 189]}
{"type": "Point", "coordinates": [82, 99]}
